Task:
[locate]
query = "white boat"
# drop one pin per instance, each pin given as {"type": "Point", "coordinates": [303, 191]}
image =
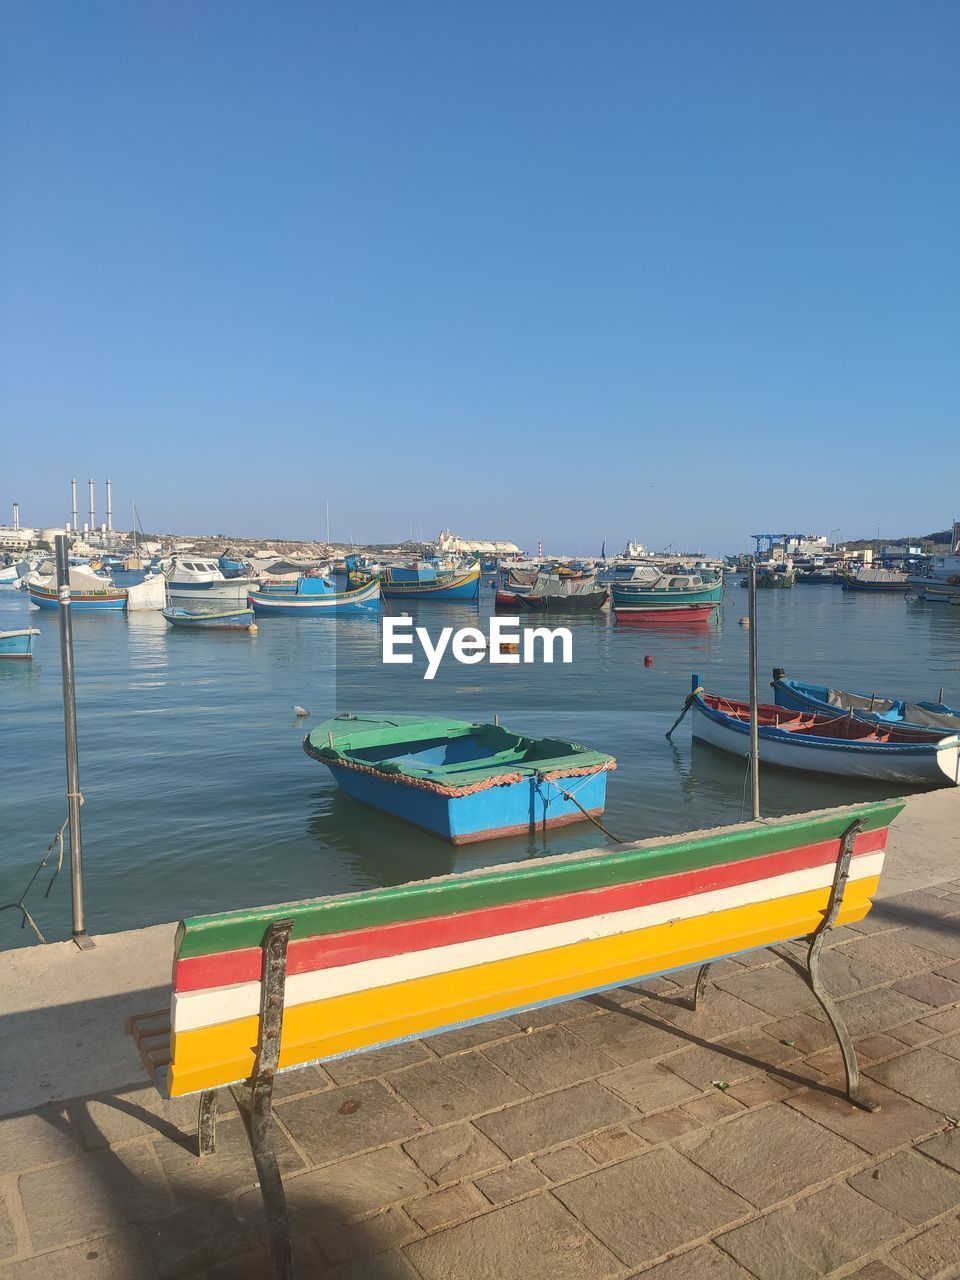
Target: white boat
{"type": "Point", "coordinates": [11, 574]}
{"type": "Point", "coordinates": [941, 583]}
{"type": "Point", "coordinates": [190, 578]}
{"type": "Point", "coordinates": [839, 745]}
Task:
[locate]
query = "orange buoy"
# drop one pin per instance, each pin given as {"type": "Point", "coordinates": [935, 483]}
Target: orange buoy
{"type": "Point", "coordinates": [648, 660]}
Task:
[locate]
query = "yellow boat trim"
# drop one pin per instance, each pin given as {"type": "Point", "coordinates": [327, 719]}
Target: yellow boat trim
{"type": "Point", "coordinates": [225, 1053]}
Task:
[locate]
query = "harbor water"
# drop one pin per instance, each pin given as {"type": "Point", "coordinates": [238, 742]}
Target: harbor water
{"type": "Point", "coordinates": [198, 795]}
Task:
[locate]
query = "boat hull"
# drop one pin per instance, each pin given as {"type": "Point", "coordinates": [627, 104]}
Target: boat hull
{"type": "Point", "coordinates": [231, 591]}
{"type": "Point", "coordinates": [231, 620]}
{"type": "Point", "coordinates": [17, 644]}
{"type": "Point", "coordinates": [465, 586]}
{"type": "Point", "coordinates": [914, 765]}
{"type": "Point", "coordinates": [876, 588]}
{"type": "Point", "coordinates": [365, 599]}
{"type": "Point", "coordinates": [588, 602]}
{"type": "Point", "coordinates": [628, 616]}
{"type": "Point", "coordinates": [627, 596]}
{"type": "Point", "coordinates": [516, 809]}
{"type": "Point", "coordinates": [80, 601]}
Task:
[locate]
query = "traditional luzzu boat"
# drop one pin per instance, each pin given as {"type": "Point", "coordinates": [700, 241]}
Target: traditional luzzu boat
{"type": "Point", "coordinates": [426, 582]}
{"type": "Point", "coordinates": [836, 744]}
{"type": "Point", "coordinates": [317, 598]}
{"type": "Point", "coordinates": [83, 599]}
{"type": "Point", "coordinates": [823, 700]}
{"type": "Point", "coordinates": [17, 644]}
{"type": "Point", "coordinates": [462, 782]}
{"type": "Point", "coordinates": [676, 597]}
{"type": "Point", "coordinates": [226, 620]}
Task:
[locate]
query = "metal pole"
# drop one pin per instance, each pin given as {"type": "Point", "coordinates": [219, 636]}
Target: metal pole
{"type": "Point", "coordinates": [754, 731]}
{"type": "Point", "coordinates": [70, 737]}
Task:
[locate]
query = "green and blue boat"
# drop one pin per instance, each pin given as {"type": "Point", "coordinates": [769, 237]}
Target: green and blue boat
{"type": "Point", "coordinates": [462, 782]}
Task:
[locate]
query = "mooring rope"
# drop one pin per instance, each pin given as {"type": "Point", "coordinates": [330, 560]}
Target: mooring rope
{"type": "Point", "coordinates": [20, 905]}
{"type": "Point", "coordinates": [687, 704]}
{"type": "Point", "coordinates": [568, 795]}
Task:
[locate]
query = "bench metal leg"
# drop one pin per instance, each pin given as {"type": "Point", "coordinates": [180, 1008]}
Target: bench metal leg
{"type": "Point", "coordinates": [207, 1122]}
{"type": "Point", "coordinates": [700, 986]}
{"type": "Point", "coordinates": [255, 1097]}
{"type": "Point", "coordinates": [812, 974]}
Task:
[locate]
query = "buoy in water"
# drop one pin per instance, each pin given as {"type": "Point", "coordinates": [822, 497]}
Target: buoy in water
{"type": "Point", "coordinates": [252, 628]}
{"type": "Point", "coordinates": [648, 660]}
{"type": "Point", "coordinates": [744, 622]}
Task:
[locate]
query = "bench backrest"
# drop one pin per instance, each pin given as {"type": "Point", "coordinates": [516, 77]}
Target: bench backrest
{"type": "Point", "coordinates": [373, 968]}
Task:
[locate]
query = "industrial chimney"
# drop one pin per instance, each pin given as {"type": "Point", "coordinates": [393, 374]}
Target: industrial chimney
{"type": "Point", "coordinates": [74, 516]}
{"type": "Point", "coordinates": [109, 507]}
{"type": "Point", "coordinates": [93, 514]}
{"type": "Point", "coordinates": [16, 515]}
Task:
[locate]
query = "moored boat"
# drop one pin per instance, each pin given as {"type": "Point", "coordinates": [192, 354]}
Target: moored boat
{"type": "Point", "coordinates": [888, 581]}
{"type": "Point", "coordinates": [797, 695]}
{"type": "Point", "coordinates": [105, 598]}
{"type": "Point", "coordinates": [317, 598]}
{"type": "Point", "coordinates": [552, 593]}
{"type": "Point", "coordinates": [462, 782]}
{"type": "Point", "coordinates": [682, 597]}
{"type": "Point", "coordinates": [401, 582]}
{"type": "Point", "coordinates": [226, 620]}
{"type": "Point", "coordinates": [839, 745]}
{"type": "Point", "coordinates": [17, 644]}
{"type": "Point", "coordinates": [191, 578]}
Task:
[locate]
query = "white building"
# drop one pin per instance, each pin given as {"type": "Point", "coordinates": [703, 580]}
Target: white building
{"type": "Point", "coordinates": [450, 544]}
{"type": "Point", "coordinates": [15, 539]}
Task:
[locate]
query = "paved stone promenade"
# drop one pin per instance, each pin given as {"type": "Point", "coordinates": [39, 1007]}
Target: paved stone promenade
{"type": "Point", "coordinates": [610, 1137]}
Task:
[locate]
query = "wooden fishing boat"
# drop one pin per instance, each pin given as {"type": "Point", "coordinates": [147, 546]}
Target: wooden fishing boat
{"type": "Point", "coordinates": [682, 597]}
{"type": "Point", "coordinates": [839, 745]}
{"type": "Point", "coordinates": [563, 595]}
{"type": "Point", "coordinates": [106, 598]}
{"type": "Point", "coordinates": [462, 782]}
{"type": "Point", "coordinates": [878, 581]}
{"type": "Point", "coordinates": [824, 700]}
{"type": "Point", "coordinates": [454, 585]}
{"type": "Point", "coordinates": [17, 644]}
{"type": "Point", "coordinates": [779, 576]}
{"type": "Point", "coordinates": [228, 620]}
{"type": "Point", "coordinates": [317, 598]}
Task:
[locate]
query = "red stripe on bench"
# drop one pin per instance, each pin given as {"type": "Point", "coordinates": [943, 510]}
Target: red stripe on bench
{"type": "Point", "coordinates": [328, 951]}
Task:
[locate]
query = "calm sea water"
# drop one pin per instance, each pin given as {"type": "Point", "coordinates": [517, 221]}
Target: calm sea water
{"type": "Point", "coordinates": [199, 796]}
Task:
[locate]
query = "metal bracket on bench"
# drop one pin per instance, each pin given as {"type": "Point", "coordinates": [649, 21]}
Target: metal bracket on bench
{"type": "Point", "coordinates": [812, 975]}
{"type": "Point", "coordinates": [255, 1097]}
{"type": "Point", "coordinates": [811, 971]}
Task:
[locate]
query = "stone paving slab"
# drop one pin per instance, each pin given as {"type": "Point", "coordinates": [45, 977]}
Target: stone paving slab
{"type": "Point", "coordinates": [619, 1136]}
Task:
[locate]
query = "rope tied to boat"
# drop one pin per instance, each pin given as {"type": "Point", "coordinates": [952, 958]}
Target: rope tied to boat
{"type": "Point", "coordinates": [568, 795]}
{"type": "Point", "coordinates": [687, 704]}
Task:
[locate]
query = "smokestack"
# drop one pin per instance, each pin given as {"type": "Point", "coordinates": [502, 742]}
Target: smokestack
{"type": "Point", "coordinates": [74, 517]}
{"type": "Point", "coordinates": [93, 514]}
{"type": "Point", "coordinates": [109, 507]}
{"type": "Point", "coordinates": [16, 515]}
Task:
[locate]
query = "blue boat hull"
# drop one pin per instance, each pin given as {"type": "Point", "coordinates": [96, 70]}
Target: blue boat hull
{"type": "Point", "coordinates": [18, 646]}
{"type": "Point", "coordinates": [81, 601]}
{"type": "Point", "coordinates": [239, 620]}
{"type": "Point", "coordinates": [465, 587]}
{"type": "Point", "coordinates": [794, 695]}
{"type": "Point", "coordinates": [365, 599]}
{"type": "Point", "coordinates": [518, 808]}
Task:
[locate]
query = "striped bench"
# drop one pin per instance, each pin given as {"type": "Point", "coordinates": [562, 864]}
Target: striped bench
{"type": "Point", "coordinates": [271, 989]}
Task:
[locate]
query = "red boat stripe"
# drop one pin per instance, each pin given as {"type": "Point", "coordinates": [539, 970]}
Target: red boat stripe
{"type": "Point", "coordinates": [227, 967]}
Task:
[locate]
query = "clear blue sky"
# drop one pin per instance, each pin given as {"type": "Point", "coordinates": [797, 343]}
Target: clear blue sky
{"type": "Point", "coordinates": [527, 269]}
